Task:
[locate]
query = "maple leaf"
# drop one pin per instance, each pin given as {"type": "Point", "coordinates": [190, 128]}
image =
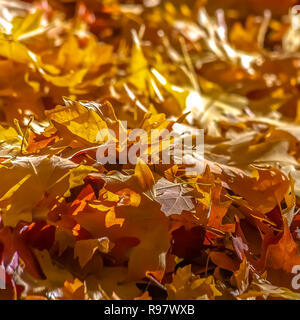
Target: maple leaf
{"type": "Point", "coordinates": [173, 197]}
{"type": "Point", "coordinates": [286, 247]}
{"type": "Point", "coordinates": [14, 247]}
{"type": "Point", "coordinates": [261, 288]}
{"type": "Point", "coordinates": [85, 249]}
{"type": "Point", "coordinates": [186, 285]}
{"type": "Point", "coordinates": [73, 226]}
{"type": "Point", "coordinates": [74, 290]}
{"type": "Point", "coordinates": [28, 181]}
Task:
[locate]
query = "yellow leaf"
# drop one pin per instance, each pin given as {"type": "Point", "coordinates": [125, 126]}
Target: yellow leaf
{"type": "Point", "coordinates": [144, 175]}
{"type": "Point", "coordinates": [187, 286]}
{"type": "Point", "coordinates": [85, 249]}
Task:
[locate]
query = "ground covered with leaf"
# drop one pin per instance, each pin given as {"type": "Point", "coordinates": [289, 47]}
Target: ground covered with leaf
{"type": "Point", "coordinates": [73, 228]}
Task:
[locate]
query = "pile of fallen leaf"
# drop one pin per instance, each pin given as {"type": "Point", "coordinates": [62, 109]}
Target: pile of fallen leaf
{"type": "Point", "coordinates": [72, 228]}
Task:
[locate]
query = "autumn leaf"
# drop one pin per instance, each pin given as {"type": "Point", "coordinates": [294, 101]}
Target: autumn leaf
{"type": "Point", "coordinates": [284, 254]}
{"type": "Point", "coordinates": [172, 197]}
{"type": "Point", "coordinates": [33, 181]}
{"type": "Point", "coordinates": [79, 80]}
{"type": "Point", "coordinates": [186, 285]}
{"type": "Point", "coordinates": [85, 249]}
